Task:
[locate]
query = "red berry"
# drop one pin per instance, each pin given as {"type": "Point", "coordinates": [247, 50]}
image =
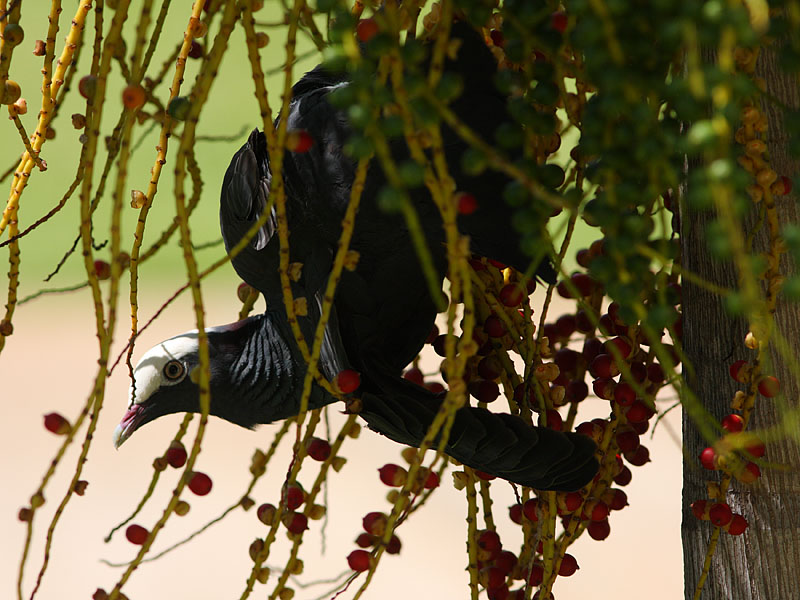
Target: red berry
{"type": "Point", "coordinates": [607, 325]}
{"type": "Point", "coordinates": [530, 509]}
{"type": "Point", "coordinates": [374, 523]}
{"type": "Point", "coordinates": [494, 327]}
{"type": "Point", "coordinates": [583, 257]}
{"type": "Point", "coordinates": [568, 566]}
{"type": "Point", "coordinates": [294, 496]}
{"type": "Point", "coordinates": [484, 475]}
{"type": "Point", "coordinates": [133, 96]}
{"type": "Point", "coordinates": [515, 513]}
{"type": "Point", "coordinates": [655, 373]}
{"type": "Point", "coordinates": [750, 473]}
{"type": "Point", "coordinates": [537, 575]}
{"type": "Point", "coordinates": [624, 394]}
{"type": "Point", "coordinates": [583, 323]}
{"type": "Point", "coordinates": [627, 440]}
{"type": "Point", "coordinates": [491, 577]}
{"type": "Point", "coordinates": [622, 344]}
{"type": "Point", "coordinates": [511, 295]}
{"type": "Point", "coordinates": [591, 349]}
{"type": "Point", "coordinates": [476, 264]}
{"type": "Point", "coordinates": [603, 366]}
{"type": "Point", "coordinates": [431, 481]}
{"type": "Point", "coordinates": [394, 545]}
{"type": "Point", "coordinates": [102, 270]}
{"type": "Point", "coordinates": [566, 325]}
{"type": "Point", "coordinates": [584, 284]}
{"type": "Point", "coordinates": [497, 38]}
{"type": "Point", "coordinates": [576, 391]}
{"type": "Point", "coordinates": [569, 502]}
{"type": "Point", "coordinates": [414, 375]}
{"type": "Point", "coordinates": [586, 428]}
{"type": "Point", "coordinates": [176, 454]}
{"type": "Point", "coordinates": [295, 522]}
{"type": "Point", "coordinates": [435, 387]}
{"type": "Point", "coordinates": [638, 371]}
{"type": "Point", "coordinates": [489, 540]}
{"type": "Point", "coordinates": [347, 381]}
{"type": "Point", "coordinates": [299, 140]}
{"type": "Point", "coordinates": [554, 420]}
{"type": "Point", "coordinates": [769, 386]}
{"type": "Point", "coordinates": [196, 50]}
{"type": "Point", "coordinates": [367, 29]}
{"type": "Point", "coordinates": [757, 449]}
{"type": "Point", "coordinates": [733, 423]}
{"type": "Point", "coordinates": [708, 458]}
{"type": "Point", "coordinates": [787, 184]}
{"type": "Point", "coordinates": [558, 21]}
{"type": "Point", "coordinates": [319, 449]}
{"type": "Point", "coordinates": [506, 561]}
{"type": "Point", "coordinates": [596, 510]}
{"type": "Point", "coordinates": [439, 344]}
{"type": "Point", "coordinates": [720, 514]}
{"type": "Point", "coordinates": [466, 204]}
{"type": "Point", "coordinates": [484, 390]}
{"type": "Point", "coordinates": [638, 412]}
{"type": "Point", "coordinates": [243, 291]}
{"type": "Point", "coordinates": [604, 388]}
{"type": "Point", "coordinates": [359, 560]}
{"type": "Point", "coordinates": [740, 371]}
{"type": "Point", "coordinates": [136, 534]}
{"type": "Point", "coordinates": [392, 475]}
{"type": "Point", "coordinates": [699, 508]}
{"type": "Point", "coordinates": [200, 483]}
{"type": "Point", "coordinates": [737, 525]}
{"type": "Point", "coordinates": [640, 428]}
{"type": "Point", "coordinates": [490, 367]}
{"type": "Point", "coordinates": [498, 593]}
{"type": "Point", "coordinates": [365, 540]}
{"type": "Point", "coordinates": [599, 530]}
{"type": "Point", "coordinates": [638, 457]}
{"type": "Point", "coordinates": [266, 513]}
{"type": "Point", "coordinates": [57, 424]}
{"type": "Point", "coordinates": [567, 359]}
{"type": "Point", "coordinates": [87, 86]}
{"type": "Point", "coordinates": [618, 499]}
{"type": "Point", "coordinates": [624, 477]}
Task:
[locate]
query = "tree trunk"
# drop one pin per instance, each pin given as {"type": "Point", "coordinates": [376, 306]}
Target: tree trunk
{"type": "Point", "coordinates": [764, 563]}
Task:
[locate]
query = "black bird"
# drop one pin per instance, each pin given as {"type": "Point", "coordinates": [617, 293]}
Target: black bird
{"type": "Point", "coordinates": [382, 311]}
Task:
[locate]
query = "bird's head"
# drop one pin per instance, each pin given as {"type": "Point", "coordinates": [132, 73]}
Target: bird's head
{"type": "Point", "coordinates": [165, 379]}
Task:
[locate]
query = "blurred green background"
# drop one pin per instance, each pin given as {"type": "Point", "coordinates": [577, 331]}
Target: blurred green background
{"type": "Point", "coordinates": [231, 112]}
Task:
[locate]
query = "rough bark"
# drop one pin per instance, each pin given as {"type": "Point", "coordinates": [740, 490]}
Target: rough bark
{"type": "Point", "coordinates": [764, 563]}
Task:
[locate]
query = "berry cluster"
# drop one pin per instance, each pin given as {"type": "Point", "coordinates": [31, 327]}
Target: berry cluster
{"type": "Point", "coordinates": [624, 366]}
{"type": "Point", "coordinates": [735, 452]}
{"type": "Point", "coordinates": [375, 523]}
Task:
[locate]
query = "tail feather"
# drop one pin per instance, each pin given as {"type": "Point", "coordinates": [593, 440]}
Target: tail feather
{"type": "Point", "coordinates": [498, 444]}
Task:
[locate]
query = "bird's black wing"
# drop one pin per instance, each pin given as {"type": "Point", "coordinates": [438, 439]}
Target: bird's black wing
{"type": "Point", "coordinates": [243, 199]}
{"type": "Point", "coordinates": [498, 444]}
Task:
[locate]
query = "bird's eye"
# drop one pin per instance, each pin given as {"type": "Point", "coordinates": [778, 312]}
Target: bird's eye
{"type": "Point", "coordinates": [174, 370]}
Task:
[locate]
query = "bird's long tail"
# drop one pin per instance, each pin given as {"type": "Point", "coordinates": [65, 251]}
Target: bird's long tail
{"type": "Point", "coordinates": [499, 444]}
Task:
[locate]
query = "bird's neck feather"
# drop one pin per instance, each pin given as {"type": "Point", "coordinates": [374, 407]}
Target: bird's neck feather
{"type": "Point", "coordinates": [267, 377]}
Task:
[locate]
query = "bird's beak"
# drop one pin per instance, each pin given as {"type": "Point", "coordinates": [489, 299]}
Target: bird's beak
{"type": "Point", "coordinates": [130, 423]}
